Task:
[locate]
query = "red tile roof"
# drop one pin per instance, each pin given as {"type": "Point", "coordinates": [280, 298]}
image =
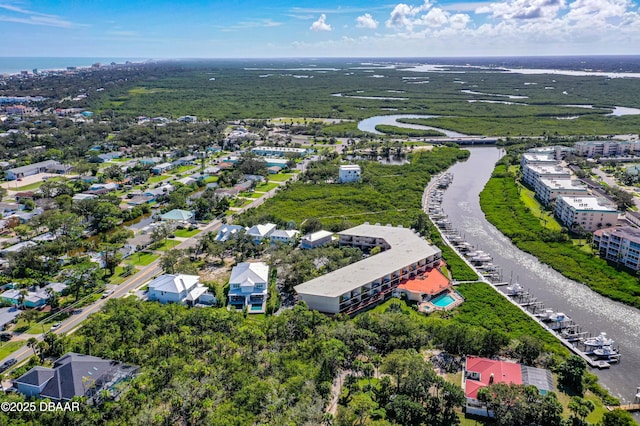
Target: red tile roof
{"type": "Point", "coordinates": [503, 372]}
{"type": "Point", "coordinates": [432, 282]}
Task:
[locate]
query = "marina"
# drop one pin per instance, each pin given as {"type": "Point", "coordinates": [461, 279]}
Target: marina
{"type": "Point", "coordinates": [598, 352]}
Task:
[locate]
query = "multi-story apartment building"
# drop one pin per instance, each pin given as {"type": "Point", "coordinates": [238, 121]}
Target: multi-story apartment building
{"type": "Point", "coordinates": [405, 254]}
{"type": "Point", "coordinates": [586, 213]}
{"type": "Point", "coordinates": [620, 245]}
{"type": "Point", "coordinates": [607, 148]}
{"type": "Point", "coordinates": [278, 151]}
{"type": "Point", "coordinates": [547, 190]}
{"type": "Point", "coordinates": [531, 173]}
{"type": "Point", "coordinates": [538, 158]}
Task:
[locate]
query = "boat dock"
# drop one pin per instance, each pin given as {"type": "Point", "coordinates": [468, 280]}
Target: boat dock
{"type": "Point", "coordinates": [625, 407]}
{"type": "Point", "coordinates": [597, 355]}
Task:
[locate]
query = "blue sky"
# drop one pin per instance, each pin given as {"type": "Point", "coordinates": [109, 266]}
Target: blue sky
{"type": "Point", "coordinates": [276, 28]}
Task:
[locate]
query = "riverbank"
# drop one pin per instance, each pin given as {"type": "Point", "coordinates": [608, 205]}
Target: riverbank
{"type": "Point", "coordinates": [503, 208]}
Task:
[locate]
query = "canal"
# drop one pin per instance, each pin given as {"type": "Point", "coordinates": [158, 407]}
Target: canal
{"type": "Point", "coordinates": [591, 311]}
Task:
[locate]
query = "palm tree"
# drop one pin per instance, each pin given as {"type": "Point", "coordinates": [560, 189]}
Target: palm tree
{"type": "Point", "coordinates": [33, 343]}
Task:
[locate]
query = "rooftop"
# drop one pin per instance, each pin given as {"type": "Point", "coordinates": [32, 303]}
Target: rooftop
{"type": "Point", "coordinates": [501, 371]}
{"type": "Point", "coordinates": [432, 282]}
{"type": "Point", "coordinates": [318, 235]}
{"type": "Point", "coordinates": [625, 232]}
{"type": "Point", "coordinates": [543, 169]}
{"type": "Point", "coordinates": [572, 184]}
{"type": "Point", "coordinates": [407, 247]}
{"type": "Point", "coordinates": [588, 203]}
{"type": "Point", "coordinates": [532, 157]}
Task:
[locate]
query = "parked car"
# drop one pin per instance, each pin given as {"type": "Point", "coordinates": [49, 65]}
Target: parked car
{"type": "Point", "coordinates": [8, 363]}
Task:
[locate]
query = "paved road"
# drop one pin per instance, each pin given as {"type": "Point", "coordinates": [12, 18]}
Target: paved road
{"type": "Point", "coordinates": [142, 276]}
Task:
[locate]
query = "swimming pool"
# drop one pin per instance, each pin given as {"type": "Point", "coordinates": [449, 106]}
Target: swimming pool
{"type": "Point", "coordinates": [256, 307]}
{"type": "Point", "coordinates": [443, 300]}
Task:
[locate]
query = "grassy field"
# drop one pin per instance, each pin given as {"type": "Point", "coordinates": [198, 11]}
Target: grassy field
{"type": "Point", "coordinates": [142, 258]}
{"type": "Point", "coordinates": [36, 185]}
{"type": "Point", "coordinates": [266, 187]}
{"type": "Point", "coordinates": [547, 219]}
{"type": "Point", "coordinates": [186, 233]}
{"type": "Point", "coordinates": [158, 178]}
{"type": "Point", "coordinates": [8, 348]}
{"type": "Point", "coordinates": [280, 177]}
{"type": "Point", "coordinates": [167, 245]}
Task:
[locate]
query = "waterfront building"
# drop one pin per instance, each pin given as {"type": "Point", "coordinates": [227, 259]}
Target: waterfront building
{"type": "Point", "coordinates": [538, 158]}
{"type": "Point", "coordinates": [547, 190]}
{"type": "Point", "coordinates": [585, 213]}
{"type": "Point", "coordinates": [609, 148]}
{"type": "Point", "coordinates": [531, 173]}
{"type": "Point", "coordinates": [620, 245]}
{"type": "Point", "coordinates": [404, 255]}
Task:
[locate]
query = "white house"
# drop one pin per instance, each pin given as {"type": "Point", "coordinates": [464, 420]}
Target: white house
{"type": "Point", "coordinates": [248, 287]}
{"type": "Point", "coordinates": [260, 232]}
{"type": "Point", "coordinates": [284, 236]}
{"type": "Point", "coordinates": [316, 239]}
{"type": "Point", "coordinates": [228, 231]}
{"type": "Point", "coordinates": [349, 173]}
{"type": "Point", "coordinates": [179, 288]}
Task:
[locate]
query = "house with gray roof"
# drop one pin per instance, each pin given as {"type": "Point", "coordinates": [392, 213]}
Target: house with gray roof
{"type": "Point", "coordinates": [30, 169]}
{"type": "Point", "coordinates": [74, 375]}
{"type": "Point", "coordinates": [8, 315]}
{"type": "Point", "coordinates": [179, 288]}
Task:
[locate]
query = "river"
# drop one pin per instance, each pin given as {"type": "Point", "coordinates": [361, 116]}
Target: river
{"type": "Point", "coordinates": [592, 311]}
{"type": "Point", "coordinates": [369, 124]}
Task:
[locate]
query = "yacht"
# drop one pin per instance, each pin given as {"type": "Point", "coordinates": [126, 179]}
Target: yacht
{"type": "Point", "coordinates": [599, 341]}
{"type": "Point", "coordinates": [514, 289]}
{"type": "Point", "coordinates": [605, 352]}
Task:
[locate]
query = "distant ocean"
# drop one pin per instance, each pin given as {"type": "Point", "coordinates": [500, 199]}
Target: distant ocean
{"type": "Point", "coordinates": [13, 65]}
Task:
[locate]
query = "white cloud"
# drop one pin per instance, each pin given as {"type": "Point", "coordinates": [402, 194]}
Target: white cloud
{"type": "Point", "coordinates": [523, 9]}
{"type": "Point", "coordinates": [403, 15]}
{"type": "Point", "coordinates": [320, 24]}
{"type": "Point", "coordinates": [597, 9]}
{"type": "Point", "coordinates": [35, 18]}
{"type": "Point", "coordinates": [366, 21]}
{"type": "Point", "coordinates": [436, 17]}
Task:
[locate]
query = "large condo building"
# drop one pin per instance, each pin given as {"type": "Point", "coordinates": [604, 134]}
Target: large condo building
{"type": "Point", "coordinates": [405, 254]}
{"type": "Point", "coordinates": [607, 148]}
{"type": "Point", "coordinates": [538, 158]}
{"type": "Point", "coordinates": [548, 190]}
{"type": "Point", "coordinates": [531, 173]}
{"type": "Point", "coordinates": [619, 245]}
{"type": "Point", "coordinates": [586, 213]}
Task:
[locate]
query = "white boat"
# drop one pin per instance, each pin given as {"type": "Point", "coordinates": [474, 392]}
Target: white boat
{"type": "Point", "coordinates": [550, 316]}
{"type": "Point", "coordinates": [599, 341]}
{"type": "Point", "coordinates": [514, 289]}
{"type": "Point", "coordinates": [605, 352]}
{"type": "Point", "coordinates": [481, 258]}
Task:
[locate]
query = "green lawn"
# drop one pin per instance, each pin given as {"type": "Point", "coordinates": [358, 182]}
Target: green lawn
{"type": "Point", "coordinates": [251, 194]}
{"type": "Point", "coordinates": [280, 177]}
{"type": "Point", "coordinates": [156, 179]}
{"type": "Point", "coordinates": [36, 185]}
{"type": "Point", "coordinates": [168, 245]}
{"type": "Point", "coordinates": [118, 277]}
{"type": "Point", "coordinates": [546, 218]}
{"type": "Point", "coordinates": [211, 179]}
{"type": "Point", "coordinates": [186, 233]}
{"type": "Point", "coordinates": [9, 347]}
{"type": "Point", "coordinates": [265, 187]}
{"type": "Point", "coordinates": [142, 258]}
{"type": "Point", "coordinates": [182, 169]}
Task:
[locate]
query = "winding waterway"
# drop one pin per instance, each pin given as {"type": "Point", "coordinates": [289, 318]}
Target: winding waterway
{"type": "Point", "coordinates": [592, 311]}
{"type": "Point", "coordinates": [369, 124]}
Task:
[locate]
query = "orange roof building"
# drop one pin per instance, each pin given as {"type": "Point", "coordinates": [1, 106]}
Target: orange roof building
{"type": "Point", "coordinates": [425, 286]}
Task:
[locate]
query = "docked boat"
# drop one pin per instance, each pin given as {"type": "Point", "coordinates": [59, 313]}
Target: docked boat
{"type": "Point", "coordinates": [481, 258]}
{"type": "Point", "coordinates": [598, 342]}
{"type": "Point", "coordinates": [514, 289]}
{"type": "Point", "coordinates": [550, 316]}
{"type": "Point", "coordinates": [606, 352]}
